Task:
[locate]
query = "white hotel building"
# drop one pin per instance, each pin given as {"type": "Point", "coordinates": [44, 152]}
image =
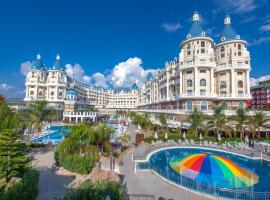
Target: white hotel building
{"type": "Point", "coordinates": [203, 75]}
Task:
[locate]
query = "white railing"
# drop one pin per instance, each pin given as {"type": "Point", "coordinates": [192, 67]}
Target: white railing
{"type": "Point", "coordinates": [84, 114]}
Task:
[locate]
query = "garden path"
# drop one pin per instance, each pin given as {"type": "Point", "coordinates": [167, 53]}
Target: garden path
{"type": "Point", "coordinates": [51, 185]}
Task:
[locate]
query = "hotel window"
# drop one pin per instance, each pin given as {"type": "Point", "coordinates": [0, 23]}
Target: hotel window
{"type": "Point", "coordinates": [224, 105]}
{"type": "Point", "coordinates": [239, 53]}
{"type": "Point", "coordinates": [239, 73]}
{"type": "Point", "coordinates": [239, 47]}
{"type": "Point", "coordinates": [52, 93]}
{"type": "Point", "coordinates": [239, 64]}
{"type": "Point", "coordinates": [223, 65]}
{"type": "Point", "coordinates": [189, 63]}
{"type": "Point", "coordinates": [202, 71]}
{"type": "Point", "coordinates": [189, 72]}
{"type": "Point", "coordinates": [202, 82]}
{"type": "Point", "coordinates": [204, 106]}
{"type": "Point", "coordinates": [189, 105]}
{"type": "Point", "coordinates": [223, 84]}
{"type": "Point", "coordinates": [31, 93]}
{"type": "Point", "coordinates": [202, 92]}
{"type": "Point", "coordinates": [241, 104]}
{"type": "Point", "coordinates": [240, 84]}
{"type": "Point", "coordinates": [202, 43]}
{"type": "Point", "coordinates": [189, 83]}
{"type": "Point", "coordinates": [188, 49]}
{"type": "Point", "coordinates": [202, 61]}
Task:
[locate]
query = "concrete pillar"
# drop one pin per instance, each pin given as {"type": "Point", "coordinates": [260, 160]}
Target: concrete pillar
{"type": "Point", "coordinates": [232, 82]}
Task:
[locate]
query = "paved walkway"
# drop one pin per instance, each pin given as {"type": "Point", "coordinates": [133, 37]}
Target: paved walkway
{"type": "Point", "coordinates": [146, 182]}
{"type": "Point", "coordinates": [51, 185]}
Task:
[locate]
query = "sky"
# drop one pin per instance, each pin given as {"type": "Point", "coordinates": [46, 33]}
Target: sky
{"type": "Point", "coordinates": [112, 44]}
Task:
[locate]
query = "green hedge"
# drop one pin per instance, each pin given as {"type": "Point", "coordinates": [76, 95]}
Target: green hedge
{"type": "Point", "coordinates": [96, 191]}
{"type": "Point", "coordinates": [75, 163]}
{"type": "Point", "coordinates": [27, 189]}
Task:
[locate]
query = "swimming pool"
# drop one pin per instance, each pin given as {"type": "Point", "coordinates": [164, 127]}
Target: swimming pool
{"type": "Point", "coordinates": [168, 164]}
{"type": "Point", "coordinates": [56, 137]}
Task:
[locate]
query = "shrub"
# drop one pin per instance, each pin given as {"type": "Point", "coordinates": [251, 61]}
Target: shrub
{"type": "Point", "coordinates": [76, 163]}
{"type": "Point", "coordinates": [96, 191]}
{"type": "Point", "coordinates": [27, 189]}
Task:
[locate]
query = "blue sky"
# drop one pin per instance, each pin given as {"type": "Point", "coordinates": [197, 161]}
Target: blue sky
{"type": "Point", "coordinates": [114, 43]}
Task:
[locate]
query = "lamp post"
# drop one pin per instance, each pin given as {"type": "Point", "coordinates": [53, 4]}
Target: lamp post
{"type": "Point", "coordinates": [201, 138]}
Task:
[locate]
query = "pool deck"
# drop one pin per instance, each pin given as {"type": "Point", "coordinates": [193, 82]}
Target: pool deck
{"type": "Point", "coordinates": [148, 183]}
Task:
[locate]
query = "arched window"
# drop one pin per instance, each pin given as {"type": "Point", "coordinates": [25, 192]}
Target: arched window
{"type": "Point", "coordinates": [204, 106]}
{"type": "Point", "coordinates": [40, 93]}
{"type": "Point", "coordinates": [52, 93]}
{"type": "Point", "coordinates": [31, 93]}
{"type": "Point", "coordinates": [202, 43]}
{"type": "Point", "coordinates": [189, 83]}
{"type": "Point", "coordinates": [203, 82]}
{"type": "Point", "coordinates": [188, 46]}
{"type": "Point", "coordinates": [188, 49]}
{"type": "Point", "coordinates": [224, 105]}
{"type": "Point", "coordinates": [241, 104]}
{"type": "Point", "coordinates": [240, 84]}
{"type": "Point", "coordinates": [222, 49]}
{"type": "Point", "coordinates": [239, 46]}
{"type": "Point", "coordinates": [223, 84]}
{"type": "Point", "coordinates": [189, 105]}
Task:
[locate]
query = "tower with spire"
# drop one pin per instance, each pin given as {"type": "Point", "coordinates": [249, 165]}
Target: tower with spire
{"type": "Point", "coordinates": [233, 65]}
{"type": "Point", "coordinates": [196, 61]}
{"type": "Point", "coordinates": [56, 81]}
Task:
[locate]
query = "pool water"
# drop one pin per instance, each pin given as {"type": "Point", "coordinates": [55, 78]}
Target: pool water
{"type": "Point", "coordinates": [55, 137]}
{"type": "Point", "coordinates": [161, 161]}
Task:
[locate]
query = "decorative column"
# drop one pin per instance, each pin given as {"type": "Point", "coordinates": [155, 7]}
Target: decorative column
{"type": "Point", "coordinates": [195, 81]}
{"type": "Point", "coordinates": [247, 81]}
{"type": "Point", "coordinates": [232, 83]}
{"type": "Point", "coordinates": [180, 82]}
{"type": "Point", "coordinates": [212, 80]}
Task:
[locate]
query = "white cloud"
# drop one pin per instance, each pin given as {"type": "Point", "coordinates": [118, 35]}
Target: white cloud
{"type": "Point", "coordinates": [171, 27]}
{"type": "Point", "coordinates": [25, 67]}
{"type": "Point", "coordinates": [254, 81]}
{"type": "Point", "coordinates": [5, 87]}
{"type": "Point", "coordinates": [260, 41]}
{"type": "Point", "coordinates": [77, 72]}
{"type": "Point", "coordinates": [265, 27]}
{"type": "Point", "coordinates": [238, 7]}
{"type": "Point", "coordinates": [123, 75]}
{"type": "Point", "coordinates": [99, 80]}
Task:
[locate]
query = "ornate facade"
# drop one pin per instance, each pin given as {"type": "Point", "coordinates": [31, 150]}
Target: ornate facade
{"type": "Point", "coordinates": [204, 74]}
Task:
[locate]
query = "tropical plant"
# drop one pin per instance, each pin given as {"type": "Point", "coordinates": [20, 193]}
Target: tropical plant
{"type": "Point", "coordinates": [39, 113]}
{"type": "Point", "coordinates": [218, 121]}
{"type": "Point", "coordinates": [258, 121]}
{"type": "Point", "coordinates": [163, 120]}
{"type": "Point", "coordinates": [195, 118]}
{"type": "Point", "coordinates": [96, 191]}
{"type": "Point", "coordinates": [240, 118]}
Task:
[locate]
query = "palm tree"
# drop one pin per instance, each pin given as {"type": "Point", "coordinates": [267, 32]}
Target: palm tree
{"type": "Point", "coordinates": [195, 118]}
{"type": "Point", "coordinates": [38, 114]}
{"type": "Point", "coordinates": [163, 120]}
{"type": "Point", "coordinates": [259, 121]}
{"type": "Point", "coordinates": [240, 118]}
{"type": "Point", "coordinates": [218, 120]}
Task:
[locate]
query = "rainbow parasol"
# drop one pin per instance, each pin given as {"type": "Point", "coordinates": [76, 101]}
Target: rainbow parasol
{"type": "Point", "coordinates": [214, 170]}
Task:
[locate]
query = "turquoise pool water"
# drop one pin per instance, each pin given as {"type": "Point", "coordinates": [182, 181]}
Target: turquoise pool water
{"type": "Point", "coordinates": [160, 163]}
{"type": "Point", "coordinates": [55, 137]}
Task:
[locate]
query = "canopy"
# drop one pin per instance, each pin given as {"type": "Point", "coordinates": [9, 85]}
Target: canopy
{"type": "Point", "coordinates": [214, 170]}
